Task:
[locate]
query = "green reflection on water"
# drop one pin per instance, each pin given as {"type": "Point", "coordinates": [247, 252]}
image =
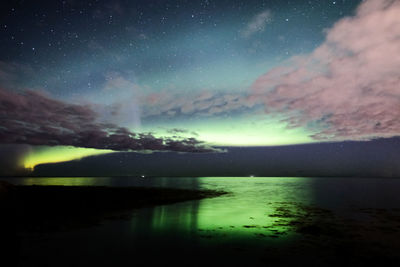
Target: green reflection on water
{"type": "Point", "coordinates": [65, 181]}
{"type": "Point", "coordinates": [182, 218]}
{"type": "Point", "coordinates": [255, 209]}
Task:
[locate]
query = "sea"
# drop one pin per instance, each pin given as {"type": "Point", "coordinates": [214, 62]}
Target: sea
{"type": "Point", "coordinates": [261, 221]}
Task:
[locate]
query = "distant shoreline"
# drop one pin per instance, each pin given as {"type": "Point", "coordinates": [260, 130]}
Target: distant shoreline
{"type": "Point", "coordinates": [191, 176]}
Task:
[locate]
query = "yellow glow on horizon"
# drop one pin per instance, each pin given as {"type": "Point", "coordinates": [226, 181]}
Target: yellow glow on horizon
{"type": "Point", "coordinates": [44, 154]}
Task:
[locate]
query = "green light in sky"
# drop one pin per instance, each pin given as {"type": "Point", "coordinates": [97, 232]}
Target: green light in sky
{"type": "Point", "coordinates": [256, 130]}
{"type": "Point", "coordinates": [44, 154]}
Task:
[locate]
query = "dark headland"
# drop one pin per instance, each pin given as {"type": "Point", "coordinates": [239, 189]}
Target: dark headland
{"type": "Point", "coordinates": [27, 210]}
{"type": "Point", "coordinates": [53, 208]}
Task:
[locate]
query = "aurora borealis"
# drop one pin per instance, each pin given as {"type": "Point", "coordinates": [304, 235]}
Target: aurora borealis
{"type": "Point", "coordinates": [80, 78]}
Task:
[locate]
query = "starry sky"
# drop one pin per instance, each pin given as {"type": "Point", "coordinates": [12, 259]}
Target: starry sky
{"type": "Point", "coordinates": [80, 78]}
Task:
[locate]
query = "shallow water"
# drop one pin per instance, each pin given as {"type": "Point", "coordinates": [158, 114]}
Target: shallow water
{"type": "Point", "coordinates": [245, 226]}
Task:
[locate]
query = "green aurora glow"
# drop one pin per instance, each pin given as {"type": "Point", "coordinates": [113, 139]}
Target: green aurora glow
{"type": "Point", "coordinates": [237, 131]}
{"type": "Point", "coordinates": [216, 131]}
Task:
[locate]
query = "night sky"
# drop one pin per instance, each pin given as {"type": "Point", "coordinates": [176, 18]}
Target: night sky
{"type": "Point", "coordinates": [80, 78]}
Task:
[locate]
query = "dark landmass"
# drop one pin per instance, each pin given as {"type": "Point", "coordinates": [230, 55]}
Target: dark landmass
{"type": "Point", "coordinates": [57, 208]}
{"type": "Point", "coordinates": [27, 210]}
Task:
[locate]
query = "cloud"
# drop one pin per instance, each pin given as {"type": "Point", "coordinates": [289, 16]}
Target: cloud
{"type": "Point", "coordinates": [116, 99]}
{"type": "Point", "coordinates": [108, 10]}
{"type": "Point", "coordinates": [177, 131]}
{"type": "Point", "coordinates": [257, 24]}
{"type": "Point", "coordinates": [12, 74]}
{"type": "Point", "coordinates": [202, 104]}
{"type": "Point", "coordinates": [349, 86]}
{"type": "Point", "coordinates": [35, 119]}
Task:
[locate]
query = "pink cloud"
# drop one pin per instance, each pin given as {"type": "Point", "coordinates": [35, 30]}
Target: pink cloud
{"type": "Point", "coordinates": [350, 84]}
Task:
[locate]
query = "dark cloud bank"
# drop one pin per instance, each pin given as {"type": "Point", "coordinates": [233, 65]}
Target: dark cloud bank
{"type": "Point", "coordinates": [377, 158]}
{"type": "Point", "coordinates": [33, 118]}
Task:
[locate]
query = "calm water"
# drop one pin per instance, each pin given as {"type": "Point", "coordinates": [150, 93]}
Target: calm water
{"type": "Point", "coordinates": [232, 228]}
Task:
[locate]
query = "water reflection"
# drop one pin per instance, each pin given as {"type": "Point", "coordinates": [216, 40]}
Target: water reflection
{"type": "Point", "coordinates": [259, 215]}
{"type": "Point", "coordinates": [64, 181]}
{"type": "Point", "coordinates": [250, 209]}
{"type": "Point", "coordinates": [247, 211]}
{"type": "Point", "coordinates": [180, 219]}
{"type": "Point", "coordinates": [183, 218]}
